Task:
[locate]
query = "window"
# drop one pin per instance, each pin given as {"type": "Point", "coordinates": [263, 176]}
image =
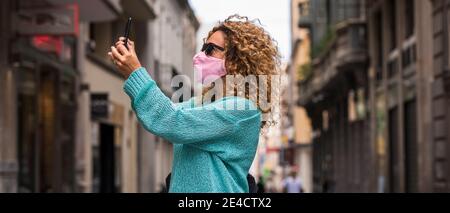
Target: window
{"type": "Point", "coordinates": [394, 176]}
{"type": "Point", "coordinates": [409, 18]}
{"type": "Point", "coordinates": [357, 37]}
{"type": "Point", "coordinates": [347, 9]}
{"type": "Point", "coordinates": [103, 35]}
{"type": "Point", "coordinates": [67, 132]}
{"type": "Point", "coordinates": [100, 39]}
{"type": "Point", "coordinates": [392, 24]}
{"type": "Point", "coordinates": [409, 56]}
{"type": "Point", "coordinates": [378, 24]}
{"type": "Point", "coordinates": [27, 120]}
{"type": "Point", "coordinates": [303, 8]}
{"type": "Point", "coordinates": [328, 12]}
{"type": "Point", "coordinates": [392, 68]}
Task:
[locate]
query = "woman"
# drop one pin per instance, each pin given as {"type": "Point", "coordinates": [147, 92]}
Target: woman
{"type": "Point", "coordinates": [214, 145]}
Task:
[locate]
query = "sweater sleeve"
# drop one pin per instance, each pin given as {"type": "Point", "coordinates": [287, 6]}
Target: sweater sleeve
{"type": "Point", "coordinates": [183, 125]}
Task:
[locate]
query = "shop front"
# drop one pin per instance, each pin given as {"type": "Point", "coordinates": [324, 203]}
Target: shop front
{"type": "Point", "coordinates": [44, 65]}
{"type": "Point", "coordinates": [46, 110]}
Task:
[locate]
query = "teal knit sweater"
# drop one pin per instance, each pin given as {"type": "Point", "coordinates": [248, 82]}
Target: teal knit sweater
{"type": "Point", "coordinates": [214, 144]}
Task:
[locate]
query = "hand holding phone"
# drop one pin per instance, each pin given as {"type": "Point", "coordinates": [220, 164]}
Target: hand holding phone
{"type": "Point", "coordinates": [128, 63]}
{"type": "Point", "coordinates": [127, 31]}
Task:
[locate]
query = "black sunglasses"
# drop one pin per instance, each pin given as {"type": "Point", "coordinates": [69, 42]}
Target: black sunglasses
{"type": "Point", "coordinates": [208, 48]}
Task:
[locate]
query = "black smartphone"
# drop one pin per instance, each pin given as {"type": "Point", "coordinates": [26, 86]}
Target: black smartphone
{"type": "Point", "coordinates": [127, 31]}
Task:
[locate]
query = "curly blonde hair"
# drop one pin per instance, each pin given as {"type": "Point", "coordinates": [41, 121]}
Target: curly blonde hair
{"type": "Point", "coordinates": [250, 50]}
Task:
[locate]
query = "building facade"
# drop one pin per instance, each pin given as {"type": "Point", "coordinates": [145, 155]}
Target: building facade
{"type": "Point", "coordinates": [299, 123]}
{"type": "Point", "coordinates": [440, 117]}
{"type": "Point", "coordinates": [376, 95]}
{"type": "Point", "coordinates": [335, 95]}
{"type": "Point", "coordinates": [38, 122]}
{"type": "Point", "coordinates": [401, 87]}
{"type": "Point", "coordinates": [66, 125]}
{"type": "Point", "coordinates": [8, 158]}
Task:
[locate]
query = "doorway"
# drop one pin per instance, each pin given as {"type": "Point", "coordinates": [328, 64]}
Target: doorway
{"type": "Point", "coordinates": [106, 160]}
{"type": "Point", "coordinates": [394, 181]}
{"type": "Point", "coordinates": [411, 148]}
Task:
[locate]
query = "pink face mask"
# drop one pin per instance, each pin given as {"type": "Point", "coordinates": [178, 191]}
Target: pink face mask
{"type": "Point", "coordinates": [208, 68]}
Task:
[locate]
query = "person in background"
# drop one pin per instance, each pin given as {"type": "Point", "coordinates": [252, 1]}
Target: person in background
{"type": "Point", "coordinates": [292, 183]}
{"type": "Point", "coordinates": [261, 185]}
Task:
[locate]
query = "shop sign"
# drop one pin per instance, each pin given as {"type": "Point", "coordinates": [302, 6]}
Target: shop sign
{"type": "Point", "coordinates": [99, 106]}
{"type": "Point", "coordinates": [61, 20]}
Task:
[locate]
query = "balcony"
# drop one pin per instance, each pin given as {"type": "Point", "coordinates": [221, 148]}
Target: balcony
{"type": "Point", "coordinates": [347, 52]}
{"type": "Point", "coordinates": [305, 22]}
